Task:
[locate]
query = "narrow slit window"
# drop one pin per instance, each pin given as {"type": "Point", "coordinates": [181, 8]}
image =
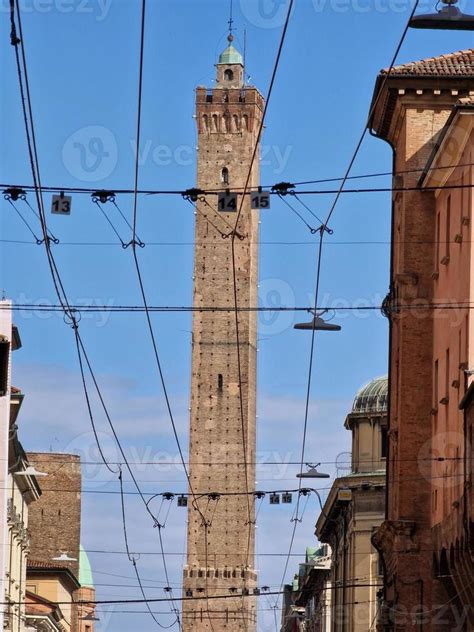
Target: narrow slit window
{"type": "Point", "coordinates": [225, 176]}
{"type": "Point", "coordinates": [448, 227]}
{"type": "Point", "coordinates": [438, 239]}
{"type": "Point", "coordinates": [220, 382]}
{"type": "Point", "coordinates": [4, 363]}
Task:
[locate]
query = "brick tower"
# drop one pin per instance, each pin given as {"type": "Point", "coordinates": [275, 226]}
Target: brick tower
{"type": "Point", "coordinates": [221, 534]}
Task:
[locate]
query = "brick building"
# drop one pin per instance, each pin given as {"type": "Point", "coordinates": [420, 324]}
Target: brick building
{"type": "Point", "coordinates": [424, 111]}
{"type": "Point", "coordinates": [223, 395]}
{"type": "Point", "coordinates": [55, 531]}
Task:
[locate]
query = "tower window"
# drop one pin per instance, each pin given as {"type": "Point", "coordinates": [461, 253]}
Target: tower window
{"type": "Point", "coordinates": [4, 365]}
{"type": "Point", "coordinates": [220, 382]}
{"type": "Point", "coordinates": [225, 176]}
{"type": "Point", "coordinates": [228, 75]}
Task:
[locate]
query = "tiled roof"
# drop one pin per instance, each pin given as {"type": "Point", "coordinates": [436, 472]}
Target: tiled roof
{"type": "Point", "coordinates": [44, 565]}
{"type": "Point", "coordinates": [460, 64]}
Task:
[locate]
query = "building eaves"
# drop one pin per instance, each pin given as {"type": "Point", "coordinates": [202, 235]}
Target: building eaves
{"type": "Point", "coordinates": [48, 568]}
{"type": "Point", "coordinates": [452, 69]}
{"type": "Point", "coordinates": [464, 104]}
{"type": "Point", "coordinates": [457, 64]}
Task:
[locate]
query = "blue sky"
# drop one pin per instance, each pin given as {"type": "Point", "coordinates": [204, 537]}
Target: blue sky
{"type": "Point", "coordinates": [83, 57]}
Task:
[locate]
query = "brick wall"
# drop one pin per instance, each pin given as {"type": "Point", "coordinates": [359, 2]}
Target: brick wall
{"type": "Point", "coordinates": [221, 555]}
{"type": "Point", "coordinates": [55, 519]}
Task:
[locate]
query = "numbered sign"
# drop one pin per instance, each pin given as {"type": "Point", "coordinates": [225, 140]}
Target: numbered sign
{"type": "Point", "coordinates": [260, 200]}
{"type": "Point", "coordinates": [227, 202]}
{"type": "Point", "coordinates": [61, 204]}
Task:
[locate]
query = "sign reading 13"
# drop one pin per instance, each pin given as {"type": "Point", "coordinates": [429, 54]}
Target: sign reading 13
{"type": "Point", "coordinates": [61, 204]}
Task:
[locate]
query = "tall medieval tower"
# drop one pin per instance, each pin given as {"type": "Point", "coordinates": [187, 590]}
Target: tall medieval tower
{"type": "Point", "coordinates": [221, 528]}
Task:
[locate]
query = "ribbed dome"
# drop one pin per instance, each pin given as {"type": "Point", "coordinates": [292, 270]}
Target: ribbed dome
{"type": "Point", "coordinates": [373, 397]}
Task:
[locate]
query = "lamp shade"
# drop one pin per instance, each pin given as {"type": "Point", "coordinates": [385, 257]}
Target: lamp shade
{"type": "Point", "coordinates": [449, 18]}
{"type": "Point", "coordinates": [318, 324]}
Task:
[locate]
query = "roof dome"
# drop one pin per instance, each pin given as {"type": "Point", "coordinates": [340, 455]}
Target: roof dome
{"type": "Point", "coordinates": [373, 397]}
{"type": "Point", "coordinates": [85, 570]}
{"type": "Point", "coordinates": [231, 56]}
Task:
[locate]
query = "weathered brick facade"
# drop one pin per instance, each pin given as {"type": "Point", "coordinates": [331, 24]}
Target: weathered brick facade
{"type": "Point", "coordinates": [223, 402]}
{"type": "Point", "coordinates": [414, 106]}
{"type": "Point", "coordinates": [55, 519]}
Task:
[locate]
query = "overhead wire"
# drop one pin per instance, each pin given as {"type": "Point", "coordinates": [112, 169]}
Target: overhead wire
{"type": "Point", "coordinates": [133, 560]}
{"type": "Point", "coordinates": [96, 308]}
{"type": "Point", "coordinates": [89, 191]}
{"type": "Point", "coordinates": [70, 315]}
{"type": "Point", "coordinates": [320, 251]}
{"type": "Point", "coordinates": [234, 263]}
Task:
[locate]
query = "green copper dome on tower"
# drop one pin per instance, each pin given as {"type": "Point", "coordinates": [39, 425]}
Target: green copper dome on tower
{"type": "Point", "coordinates": [231, 55]}
{"type": "Point", "coordinates": [85, 570]}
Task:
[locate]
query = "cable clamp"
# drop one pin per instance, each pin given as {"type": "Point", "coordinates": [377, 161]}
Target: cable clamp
{"type": "Point", "coordinates": [14, 194]}
{"type": "Point", "coordinates": [134, 242]}
{"type": "Point", "coordinates": [324, 228]}
{"type": "Point", "coordinates": [72, 317]}
{"type": "Point", "coordinates": [283, 188]}
{"type": "Point", "coordinates": [103, 196]}
{"type": "Point", "coordinates": [192, 194]}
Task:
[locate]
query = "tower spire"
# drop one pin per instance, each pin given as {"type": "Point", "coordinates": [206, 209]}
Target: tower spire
{"type": "Point", "coordinates": [230, 37]}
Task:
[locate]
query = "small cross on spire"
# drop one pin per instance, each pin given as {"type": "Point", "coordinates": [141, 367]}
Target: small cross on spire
{"type": "Point", "coordinates": [230, 37]}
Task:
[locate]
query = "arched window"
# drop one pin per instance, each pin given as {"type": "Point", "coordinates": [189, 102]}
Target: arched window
{"type": "Point", "coordinates": [235, 123]}
{"type": "Point", "coordinates": [228, 75]}
{"type": "Point", "coordinates": [215, 123]}
{"type": "Point", "coordinates": [225, 176]}
{"type": "Point", "coordinates": [246, 122]}
{"type": "Point", "coordinates": [205, 122]}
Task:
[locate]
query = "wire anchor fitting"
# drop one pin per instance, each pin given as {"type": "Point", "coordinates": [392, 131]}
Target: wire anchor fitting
{"type": "Point", "coordinates": [12, 195]}
{"type": "Point", "coordinates": [192, 195]}
{"type": "Point", "coordinates": [104, 196]}
{"type": "Point", "coordinates": [283, 188]}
